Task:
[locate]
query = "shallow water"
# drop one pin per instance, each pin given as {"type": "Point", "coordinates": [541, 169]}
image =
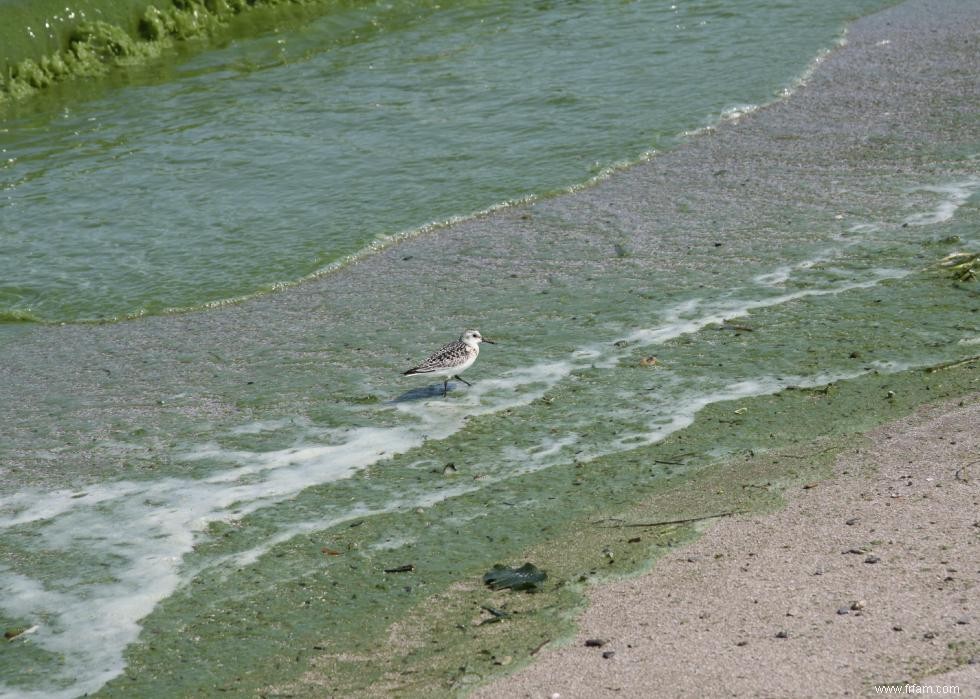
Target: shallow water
{"type": "Point", "coordinates": [189, 501]}
{"type": "Point", "coordinates": [266, 160]}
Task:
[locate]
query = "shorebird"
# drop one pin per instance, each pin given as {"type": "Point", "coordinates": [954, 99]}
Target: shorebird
{"type": "Point", "coordinates": [453, 359]}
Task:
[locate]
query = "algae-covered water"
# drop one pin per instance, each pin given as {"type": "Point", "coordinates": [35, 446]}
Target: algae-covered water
{"type": "Point", "coordinates": [208, 501]}
{"type": "Point", "coordinates": [266, 159]}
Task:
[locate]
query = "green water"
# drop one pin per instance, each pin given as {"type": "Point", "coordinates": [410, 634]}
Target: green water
{"type": "Point", "coordinates": [254, 164]}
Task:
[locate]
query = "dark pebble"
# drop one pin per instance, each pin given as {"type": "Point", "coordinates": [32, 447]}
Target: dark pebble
{"type": "Point", "coordinates": [595, 642]}
{"type": "Point", "coordinates": [871, 559]}
{"type": "Point", "coordinates": [929, 634]}
{"type": "Point", "coordinates": [896, 627]}
{"type": "Point", "coordinates": [742, 643]}
{"type": "Point", "coordinates": [782, 634]}
{"type": "Point", "coordinates": [608, 654]}
{"type": "Point", "coordinates": [843, 610]}
{"type": "Point", "coordinates": [852, 521]}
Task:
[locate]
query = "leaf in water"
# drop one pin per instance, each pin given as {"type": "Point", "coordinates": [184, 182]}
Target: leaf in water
{"type": "Point", "coordinates": [528, 577]}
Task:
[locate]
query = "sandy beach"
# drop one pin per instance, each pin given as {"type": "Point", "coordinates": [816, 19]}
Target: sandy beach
{"type": "Point", "coordinates": [869, 578]}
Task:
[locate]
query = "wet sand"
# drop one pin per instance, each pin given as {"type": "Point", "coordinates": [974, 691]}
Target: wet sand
{"type": "Point", "coordinates": [864, 579]}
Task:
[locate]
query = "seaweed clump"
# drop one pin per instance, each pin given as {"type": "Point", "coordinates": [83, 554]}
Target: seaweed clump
{"type": "Point", "coordinates": [962, 266]}
{"type": "Point", "coordinates": [94, 48]}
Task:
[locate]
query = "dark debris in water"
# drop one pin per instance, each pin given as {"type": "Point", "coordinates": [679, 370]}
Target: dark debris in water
{"type": "Point", "coordinates": [527, 578]}
{"type": "Point", "coordinates": [407, 568]}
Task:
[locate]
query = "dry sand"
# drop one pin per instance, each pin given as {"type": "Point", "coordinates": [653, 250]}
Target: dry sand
{"type": "Point", "coordinates": [870, 577]}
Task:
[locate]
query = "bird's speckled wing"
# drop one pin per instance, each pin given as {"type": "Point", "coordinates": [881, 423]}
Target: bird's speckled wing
{"type": "Point", "coordinates": [452, 355]}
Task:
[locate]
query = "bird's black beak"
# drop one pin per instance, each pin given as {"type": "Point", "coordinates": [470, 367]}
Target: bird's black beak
{"type": "Point", "coordinates": [490, 341]}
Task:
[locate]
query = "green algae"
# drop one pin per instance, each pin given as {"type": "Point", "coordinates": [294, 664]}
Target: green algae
{"type": "Point", "coordinates": [86, 48]}
{"type": "Point", "coordinates": [318, 615]}
{"type": "Point", "coordinates": [18, 316]}
{"type": "Point", "coordinates": [444, 648]}
{"type": "Point", "coordinates": [93, 49]}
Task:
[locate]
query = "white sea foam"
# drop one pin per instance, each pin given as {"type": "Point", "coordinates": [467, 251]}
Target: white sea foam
{"type": "Point", "coordinates": [683, 410]}
{"type": "Point", "coordinates": [866, 228]}
{"type": "Point", "coordinates": [663, 419]}
{"type": "Point", "coordinates": [952, 195]}
{"type": "Point", "coordinates": [781, 275]}
{"type": "Point", "coordinates": [692, 315]}
{"type": "Point", "coordinates": [514, 460]}
{"type": "Point", "coordinates": [737, 111]}
{"type": "Point", "coordinates": [141, 531]}
{"type": "Point", "coordinates": [394, 543]}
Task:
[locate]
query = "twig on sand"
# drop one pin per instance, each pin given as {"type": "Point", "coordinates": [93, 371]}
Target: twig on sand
{"type": "Point", "coordinates": [540, 646]}
{"type": "Point", "coordinates": [950, 365]}
{"type": "Point", "coordinates": [808, 456]}
{"type": "Point", "coordinates": [686, 520]}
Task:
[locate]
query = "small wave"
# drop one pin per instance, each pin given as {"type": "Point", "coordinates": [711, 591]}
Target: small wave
{"type": "Point", "coordinates": [734, 113]}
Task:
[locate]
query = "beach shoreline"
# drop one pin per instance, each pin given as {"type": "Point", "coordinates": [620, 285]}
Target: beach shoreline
{"type": "Point", "coordinates": [867, 578]}
{"type": "Point", "coordinates": [358, 590]}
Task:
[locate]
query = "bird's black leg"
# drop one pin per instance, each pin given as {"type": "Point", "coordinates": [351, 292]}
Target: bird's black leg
{"type": "Point", "coordinates": [457, 376]}
{"type": "Point", "coordinates": [445, 388]}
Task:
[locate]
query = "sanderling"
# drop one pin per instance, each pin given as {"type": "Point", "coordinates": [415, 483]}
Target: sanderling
{"type": "Point", "coordinates": [453, 359]}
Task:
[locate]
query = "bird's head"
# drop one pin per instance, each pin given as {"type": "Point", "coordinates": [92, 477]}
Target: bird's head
{"type": "Point", "coordinates": [473, 338]}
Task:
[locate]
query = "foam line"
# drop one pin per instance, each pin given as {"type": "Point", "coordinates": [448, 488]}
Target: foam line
{"type": "Point", "coordinates": [690, 316]}
{"type": "Point", "coordinates": [953, 196]}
